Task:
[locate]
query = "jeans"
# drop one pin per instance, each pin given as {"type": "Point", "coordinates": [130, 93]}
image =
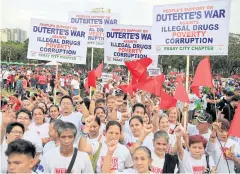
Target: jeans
{"type": "Point", "coordinates": [43, 87]}
{"type": "Point", "coordinates": [76, 92]}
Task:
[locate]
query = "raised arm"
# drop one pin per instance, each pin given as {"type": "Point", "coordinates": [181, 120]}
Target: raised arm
{"type": "Point", "coordinates": [106, 167]}
{"type": "Point", "coordinates": [179, 132]}
{"type": "Point", "coordinates": [82, 145]}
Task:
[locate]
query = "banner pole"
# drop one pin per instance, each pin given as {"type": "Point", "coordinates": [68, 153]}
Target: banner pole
{"type": "Point", "coordinates": [55, 89]}
{"type": "Point", "coordinates": [91, 69]}
{"type": "Point", "coordinates": [185, 104]}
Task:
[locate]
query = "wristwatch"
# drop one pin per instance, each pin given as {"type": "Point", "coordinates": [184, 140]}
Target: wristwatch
{"type": "Point", "coordinates": [84, 134]}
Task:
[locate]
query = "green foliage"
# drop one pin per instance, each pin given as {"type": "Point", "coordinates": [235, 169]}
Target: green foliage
{"type": "Point", "coordinates": [13, 51]}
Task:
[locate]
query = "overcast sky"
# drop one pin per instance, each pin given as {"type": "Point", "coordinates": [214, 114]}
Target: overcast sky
{"type": "Point", "coordinates": [17, 13]}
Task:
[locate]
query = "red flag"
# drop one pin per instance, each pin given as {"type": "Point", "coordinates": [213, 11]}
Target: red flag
{"type": "Point", "coordinates": [203, 76]}
{"type": "Point", "coordinates": [127, 88]}
{"type": "Point", "coordinates": [86, 86]}
{"type": "Point", "coordinates": [138, 67]}
{"type": "Point", "coordinates": [181, 93]}
{"type": "Point", "coordinates": [234, 128]}
{"type": "Point", "coordinates": [98, 71]}
{"type": "Point", "coordinates": [91, 78]}
{"type": "Point", "coordinates": [106, 86]}
{"type": "Point", "coordinates": [167, 101]}
{"type": "Point", "coordinates": [152, 85]}
{"type": "Point", "coordinates": [115, 77]}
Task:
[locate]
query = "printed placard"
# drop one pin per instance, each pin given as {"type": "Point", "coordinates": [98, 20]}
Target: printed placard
{"type": "Point", "coordinates": [95, 23]}
{"type": "Point", "coordinates": [200, 28]}
{"type": "Point", "coordinates": [126, 43]}
{"type": "Point", "coordinates": [57, 41]}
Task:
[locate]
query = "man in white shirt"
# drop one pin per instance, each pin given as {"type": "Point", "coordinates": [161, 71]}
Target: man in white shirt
{"type": "Point", "coordinates": [5, 74]}
{"type": "Point", "coordinates": [24, 116]}
{"type": "Point", "coordinates": [62, 81]}
{"type": "Point", "coordinates": [204, 120]}
{"type": "Point", "coordinates": [75, 85]}
{"type": "Point", "coordinates": [58, 159]}
{"type": "Point", "coordinates": [66, 104]}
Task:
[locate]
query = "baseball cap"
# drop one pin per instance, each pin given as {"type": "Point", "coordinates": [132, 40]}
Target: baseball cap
{"type": "Point", "coordinates": [119, 92]}
{"type": "Point", "coordinates": [230, 94]}
{"type": "Point", "coordinates": [204, 117]}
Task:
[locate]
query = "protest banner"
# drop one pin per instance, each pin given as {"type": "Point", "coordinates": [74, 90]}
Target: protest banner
{"type": "Point", "coordinates": [105, 77]}
{"type": "Point", "coordinates": [57, 41]}
{"type": "Point", "coordinates": [126, 43]}
{"type": "Point", "coordinates": [95, 23]}
{"type": "Point", "coordinates": [199, 28]}
{"type": "Point", "coordinates": [154, 71]}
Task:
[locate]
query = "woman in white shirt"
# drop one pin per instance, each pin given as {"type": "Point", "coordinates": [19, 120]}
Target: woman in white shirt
{"type": "Point", "coordinates": [39, 124]}
{"type": "Point", "coordinates": [141, 160]}
{"type": "Point", "coordinates": [54, 112]}
{"type": "Point", "coordinates": [174, 117]}
{"type": "Point", "coordinates": [194, 161]}
{"type": "Point", "coordinates": [137, 129]}
{"type": "Point", "coordinates": [54, 127]}
{"type": "Point", "coordinates": [164, 125]}
{"type": "Point", "coordinates": [223, 149]}
{"type": "Point", "coordinates": [95, 133]}
{"type": "Point", "coordinates": [163, 162]}
{"type": "Point", "coordinates": [121, 157]}
{"type": "Point", "coordinates": [100, 113]}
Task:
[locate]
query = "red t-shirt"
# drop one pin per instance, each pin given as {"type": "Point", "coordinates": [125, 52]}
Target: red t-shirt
{"type": "Point", "coordinates": [42, 79]}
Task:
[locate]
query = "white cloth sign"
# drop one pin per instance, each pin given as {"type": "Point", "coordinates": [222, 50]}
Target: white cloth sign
{"type": "Point", "coordinates": [57, 41]}
{"type": "Point", "coordinates": [200, 28]}
{"type": "Point", "coordinates": [126, 43]}
{"type": "Point", "coordinates": [95, 23]}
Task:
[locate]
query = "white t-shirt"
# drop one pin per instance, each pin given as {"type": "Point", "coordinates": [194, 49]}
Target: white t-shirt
{"type": "Point", "coordinates": [100, 138]}
{"type": "Point", "coordinates": [50, 145]}
{"type": "Point", "coordinates": [158, 163]}
{"type": "Point", "coordinates": [41, 130]}
{"type": "Point", "coordinates": [191, 165]}
{"type": "Point", "coordinates": [75, 84]}
{"type": "Point", "coordinates": [5, 74]}
{"type": "Point", "coordinates": [54, 162]}
{"type": "Point", "coordinates": [76, 119]}
{"type": "Point", "coordinates": [62, 80]}
{"type": "Point", "coordinates": [121, 157]}
{"type": "Point", "coordinates": [215, 150]}
{"type": "Point", "coordinates": [148, 141]}
{"type": "Point", "coordinates": [4, 158]}
{"type": "Point", "coordinates": [130, 170]}
{"type": "Point", "coordinates": [34, 138]}
{"type": "Point", "coordinates": [192, 130]}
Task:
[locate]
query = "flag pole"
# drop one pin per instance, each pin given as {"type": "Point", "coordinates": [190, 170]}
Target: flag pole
{"type": "Point", "coordinates": [55, 89]}
{"type": "Point", "coordinates": [91, 69]}
{"type": "Point", "coordinates": [128, 84]}
{"type": "Point", "coordinates": [185, 104]}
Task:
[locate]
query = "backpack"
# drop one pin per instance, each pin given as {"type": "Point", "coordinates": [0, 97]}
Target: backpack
{"type": "Point", "coordinates": [94, 158]}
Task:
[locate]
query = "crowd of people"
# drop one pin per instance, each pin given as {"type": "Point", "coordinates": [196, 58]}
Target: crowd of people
{"type": "Point", "coordinates": [111, 131]}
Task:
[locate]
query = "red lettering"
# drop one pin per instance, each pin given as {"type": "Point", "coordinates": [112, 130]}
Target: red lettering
{"type": "Point", "coordinates": [198, 169]}
{"type": "Point", "coordinates": [157, 170]}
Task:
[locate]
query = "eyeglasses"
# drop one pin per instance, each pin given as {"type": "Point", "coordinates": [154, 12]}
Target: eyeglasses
{"type": "Point", "coordinates": [16, 132]}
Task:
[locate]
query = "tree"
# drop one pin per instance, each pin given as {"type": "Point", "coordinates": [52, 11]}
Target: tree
{"type": "Point", "coordinates": [13, 51]}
